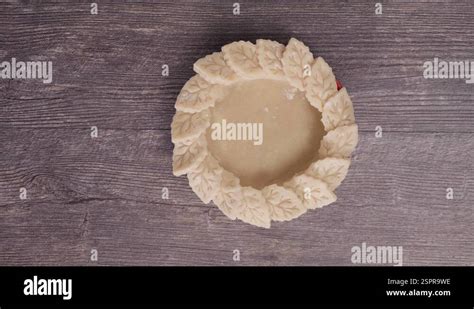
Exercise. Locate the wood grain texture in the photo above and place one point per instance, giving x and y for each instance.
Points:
(105, 193)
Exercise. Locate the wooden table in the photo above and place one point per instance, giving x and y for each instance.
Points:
(105, 193)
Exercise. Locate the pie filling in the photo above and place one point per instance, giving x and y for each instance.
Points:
(264, 131)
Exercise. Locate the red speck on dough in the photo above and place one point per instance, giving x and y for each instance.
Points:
(339, 85)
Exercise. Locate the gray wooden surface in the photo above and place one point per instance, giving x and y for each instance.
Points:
(105, 193)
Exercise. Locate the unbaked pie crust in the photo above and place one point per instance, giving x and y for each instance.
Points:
(303, 152)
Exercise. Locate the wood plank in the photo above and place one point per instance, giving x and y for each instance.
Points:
(107, 68)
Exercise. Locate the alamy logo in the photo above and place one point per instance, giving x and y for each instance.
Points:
(27, 70)
(449, 69)
(40, 287)
(377, 255)
(229, 131)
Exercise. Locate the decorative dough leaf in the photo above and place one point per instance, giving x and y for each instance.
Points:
(197, 94)
(283, 204)
(321, 84)
(188, 155)
(229, 195)
(269, 55)
(296, 59)
(313, 192)
(338, 111)
(215, 70)
(205, 179)
(330, 170)
(242, 58)
(254, 209)
(339, 143)
(187, 126)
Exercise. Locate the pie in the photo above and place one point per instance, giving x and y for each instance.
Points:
(263, 131)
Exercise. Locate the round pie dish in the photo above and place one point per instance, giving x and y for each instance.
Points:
(263, 131)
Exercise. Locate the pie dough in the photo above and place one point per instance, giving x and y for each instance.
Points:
(263, 131)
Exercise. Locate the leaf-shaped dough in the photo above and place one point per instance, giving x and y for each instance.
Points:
(283, 204)
(269, 55)
(339, 143)
(296, 61)
(215, 70)
(321, 84)
(330, 170)
(242, 58)
(314, 193)
(188, 155)
(254, 209)
(187, 126)
(229, 195)
(197, 94)
(205, 179)
(338, 111)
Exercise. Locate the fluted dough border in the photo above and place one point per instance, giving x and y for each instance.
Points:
(294, 63)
